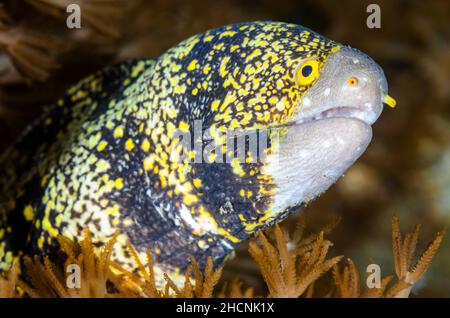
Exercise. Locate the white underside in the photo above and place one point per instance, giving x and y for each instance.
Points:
(313, 156)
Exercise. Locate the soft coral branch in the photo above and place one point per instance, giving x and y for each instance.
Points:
(289, 271)
(404, 248)
(289, 274)
(404, 251)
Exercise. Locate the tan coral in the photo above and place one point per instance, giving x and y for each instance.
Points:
(9, 282)
(289, 274)
(347, 280)
(404, 250)
(48, 279)
(289, 264)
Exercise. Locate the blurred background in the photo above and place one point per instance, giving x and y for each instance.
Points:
(406, 169)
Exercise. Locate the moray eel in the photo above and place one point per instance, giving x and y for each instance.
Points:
(143, 146)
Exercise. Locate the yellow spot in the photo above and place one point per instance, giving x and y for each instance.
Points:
(28, 212)
(211, 157)
(109, 124)
(242, 193)
(335, 49)
(189, 199)
(127, 222)
(234, 124)
(41, 242)
(162, 181)
(94, 140)
(218, 46)
(102, 145)
(145, 145)
(180, 89)
(118, 183)
(237, 169)
(228, 235)
(195, 91)
(234, 48)
(208, 38)
(148, 163)
(184, 126)
(192, 65)
(171, 112)
(206, 69)
(223, 66)
(44, 180)
(129, 145)
(114, 210)
(49, 227)
(197, 183)
(103, 165)
(227, 33)
(254, 54)
(215, 105)
(273, 100)
(118, 132)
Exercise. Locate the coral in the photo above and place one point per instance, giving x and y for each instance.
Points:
(100, 277)
(48, 278)
(233, 289)
(289, 273)
(290, 264)
(8, 284)
(101, 16)
(29, 51)
(35, 52)
(143, 282)
(404, 251)
(348, 283)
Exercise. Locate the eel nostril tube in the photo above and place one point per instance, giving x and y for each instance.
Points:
(388, 100)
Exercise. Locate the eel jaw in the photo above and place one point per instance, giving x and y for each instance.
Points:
(312, 156)
(334, 112)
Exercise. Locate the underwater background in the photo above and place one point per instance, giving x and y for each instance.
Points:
(406, 169)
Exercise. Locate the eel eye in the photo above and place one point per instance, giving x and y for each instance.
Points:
(307, 72)
(352, 81)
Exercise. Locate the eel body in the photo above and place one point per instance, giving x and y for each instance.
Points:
(141, 147)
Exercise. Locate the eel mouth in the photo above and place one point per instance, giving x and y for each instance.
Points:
(334, 112)
(367, 112)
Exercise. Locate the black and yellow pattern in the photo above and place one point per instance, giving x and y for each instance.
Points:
(103, 155)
